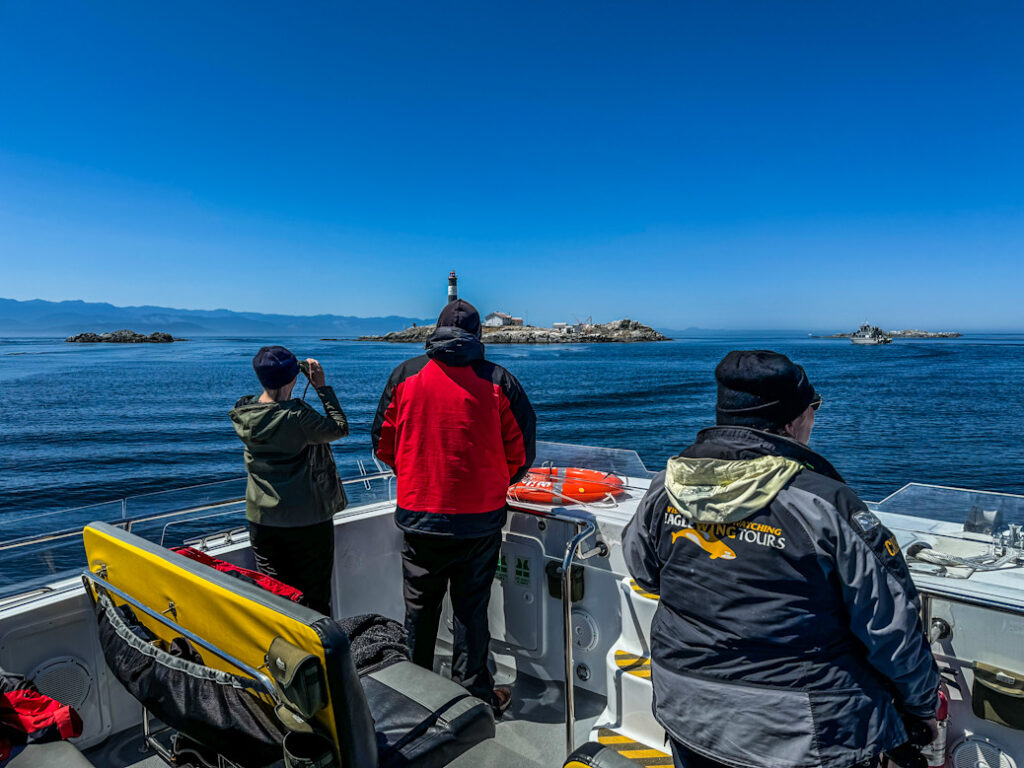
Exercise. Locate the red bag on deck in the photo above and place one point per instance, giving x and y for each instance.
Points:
(29, 717)
(253, 577)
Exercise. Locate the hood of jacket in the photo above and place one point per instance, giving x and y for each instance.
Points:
(720, 491)
(454, 346)
(732, 472)
(257, 422)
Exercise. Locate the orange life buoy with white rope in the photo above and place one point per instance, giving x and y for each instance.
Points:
(559, 485)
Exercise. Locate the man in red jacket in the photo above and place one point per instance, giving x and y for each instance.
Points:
(458, 431)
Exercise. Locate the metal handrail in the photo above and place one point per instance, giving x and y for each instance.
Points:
(584, 529)
(930, 593)
(127, 523)
(264, 683)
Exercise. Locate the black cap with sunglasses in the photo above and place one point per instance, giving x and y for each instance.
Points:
(762, 389)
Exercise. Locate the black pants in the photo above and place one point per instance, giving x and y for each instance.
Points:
(300, 557)
(430, 564)
(684, 757)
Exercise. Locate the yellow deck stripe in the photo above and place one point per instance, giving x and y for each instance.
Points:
(632, 750)
(642, 592)
(639, 666)
(631, 656)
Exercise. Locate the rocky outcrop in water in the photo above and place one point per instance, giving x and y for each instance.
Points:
(916, 334)
(619, 331)
(907, 334)
(122, 337)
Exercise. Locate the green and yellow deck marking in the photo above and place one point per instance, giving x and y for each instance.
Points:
(634, 751)
(638, 666)
(640, 591)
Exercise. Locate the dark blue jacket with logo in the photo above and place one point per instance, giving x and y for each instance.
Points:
(788, 632)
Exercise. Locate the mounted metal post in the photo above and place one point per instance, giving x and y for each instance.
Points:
(571, 552)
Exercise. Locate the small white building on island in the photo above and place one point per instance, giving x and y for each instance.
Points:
(499, 319)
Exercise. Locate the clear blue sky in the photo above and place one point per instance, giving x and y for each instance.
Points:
(714, 164)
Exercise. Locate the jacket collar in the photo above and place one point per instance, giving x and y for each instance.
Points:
(748, 443)
(454, 346)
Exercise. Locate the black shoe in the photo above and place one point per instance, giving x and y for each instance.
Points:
(500, 699)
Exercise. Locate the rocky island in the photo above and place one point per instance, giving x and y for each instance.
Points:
(619, 331)
(912, 333)
(123, 336)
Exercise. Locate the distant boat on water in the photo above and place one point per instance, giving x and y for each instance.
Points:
(870, 334)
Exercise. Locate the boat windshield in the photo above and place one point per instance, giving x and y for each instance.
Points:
(960, 544)
(614, 460)
(953, 505)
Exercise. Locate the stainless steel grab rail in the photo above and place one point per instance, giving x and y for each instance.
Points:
(584, 528)
(929, 593)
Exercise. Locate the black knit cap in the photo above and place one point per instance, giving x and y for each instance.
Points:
(275, 367)
(460, 314)
(761, 389)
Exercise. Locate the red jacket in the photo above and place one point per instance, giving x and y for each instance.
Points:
(29, 717)
(457, 430)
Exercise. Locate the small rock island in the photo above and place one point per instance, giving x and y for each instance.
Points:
(619, 331)
(123, 336)
(911, 333)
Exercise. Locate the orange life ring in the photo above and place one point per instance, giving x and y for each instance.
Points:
(557, 485)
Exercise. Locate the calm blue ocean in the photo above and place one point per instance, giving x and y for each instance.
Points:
(81, 424)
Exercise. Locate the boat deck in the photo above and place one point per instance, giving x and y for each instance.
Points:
(531, 733)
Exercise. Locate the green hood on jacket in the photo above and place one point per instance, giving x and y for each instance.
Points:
(723, 491)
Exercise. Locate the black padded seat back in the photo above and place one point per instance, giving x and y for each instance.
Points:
(423, 720)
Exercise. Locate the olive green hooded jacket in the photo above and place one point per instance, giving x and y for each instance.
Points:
(292, 477)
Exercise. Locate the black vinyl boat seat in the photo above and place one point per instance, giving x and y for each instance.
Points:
(594, 755)
(395, 716)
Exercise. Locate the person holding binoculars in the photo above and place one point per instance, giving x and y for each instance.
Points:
(293, 488)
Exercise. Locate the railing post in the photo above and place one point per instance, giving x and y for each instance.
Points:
(570, 683)
(570, 672)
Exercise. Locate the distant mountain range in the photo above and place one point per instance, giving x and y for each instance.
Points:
(64, 318)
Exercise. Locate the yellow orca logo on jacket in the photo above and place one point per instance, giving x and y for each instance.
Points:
(715, 548)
